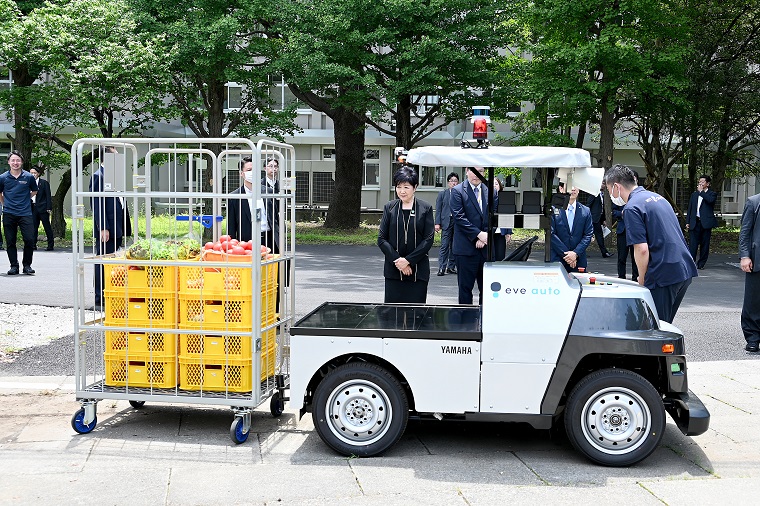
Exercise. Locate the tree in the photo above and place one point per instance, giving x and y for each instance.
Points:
(372, 63)
(99, 75)
(589, 59)
(21, 54)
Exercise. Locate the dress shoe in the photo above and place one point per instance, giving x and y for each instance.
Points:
(49, 248)
(13, 271)
(701, 268)
(451, 271)
(441, 273)
(755, 347)
(97, 307)
(35, 248)
(606, 255)
(28, 269)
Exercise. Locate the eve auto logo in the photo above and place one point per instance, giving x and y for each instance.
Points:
(512, 290)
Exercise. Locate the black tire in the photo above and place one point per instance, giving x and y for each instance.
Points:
(276, 406)
(360, 409)
(137, 404)
(236, 431)
(615, 417)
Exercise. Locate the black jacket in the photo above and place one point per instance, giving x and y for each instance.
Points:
(43, 202)
(418, 244)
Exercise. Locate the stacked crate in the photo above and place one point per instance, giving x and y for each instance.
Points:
(221, 299)
(141, 296)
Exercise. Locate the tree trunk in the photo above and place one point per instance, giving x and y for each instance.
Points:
(404, 123)
(345, 203)
(581, 135)
(607, 135)
(57, 220)
(23, 141)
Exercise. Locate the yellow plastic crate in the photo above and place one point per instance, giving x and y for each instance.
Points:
(150, 278)
(213, 282)
(138, 370)
(224, 313)
(222, 375)
(216, 347)
(157, 344)
(140, 309)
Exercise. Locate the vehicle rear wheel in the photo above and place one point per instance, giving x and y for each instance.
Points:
(615, 417)
(360, 409)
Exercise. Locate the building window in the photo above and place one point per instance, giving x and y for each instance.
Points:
(424, 103)
(328, 153)
(281, 96)
(371, 167)
(6, 80)
(233, 97)
(432, 176)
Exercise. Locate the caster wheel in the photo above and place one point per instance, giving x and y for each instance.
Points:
(236, 431)
(77, 423)
(137, 404)
(276, 406)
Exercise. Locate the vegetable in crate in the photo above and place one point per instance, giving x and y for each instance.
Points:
(154, 249)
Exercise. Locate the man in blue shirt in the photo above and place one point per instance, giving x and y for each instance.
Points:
(659, 247)
(17, 187)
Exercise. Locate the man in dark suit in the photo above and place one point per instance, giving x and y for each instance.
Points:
(111, 223)
(239, 212)
(444, 223)
(469, 205)
(623, 249)
(271, 184)
(749, 253)
(700, 220)
(571, 234)
(596, 205)
(42, 207)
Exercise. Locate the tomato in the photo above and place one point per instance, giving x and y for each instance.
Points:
(248, 246)
(224, 238)
(233, 242)
(217, 247)
(209, 245)
(248, 252)
(237, 250)
(225, 245)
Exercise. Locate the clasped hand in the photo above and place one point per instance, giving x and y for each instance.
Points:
(402, 264)
(571, 258)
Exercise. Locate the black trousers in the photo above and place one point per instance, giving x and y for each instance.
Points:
(469, 271)
(667, 299)
(12, 225)
(623, 250)
(43, 217)
(751, 307)
(699, 237)
(599, 235)
(103, 248)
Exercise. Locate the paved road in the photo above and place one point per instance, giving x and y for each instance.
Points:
(178, 454)
(709, 315)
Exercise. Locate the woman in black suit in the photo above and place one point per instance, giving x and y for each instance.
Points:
(501, 236)
(405, 238)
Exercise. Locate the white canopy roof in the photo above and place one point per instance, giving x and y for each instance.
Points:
(499, 156)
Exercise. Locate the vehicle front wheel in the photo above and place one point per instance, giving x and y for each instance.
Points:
(360, 409)
(615, 417)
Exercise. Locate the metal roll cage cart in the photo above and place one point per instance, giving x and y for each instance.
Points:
(189, 328)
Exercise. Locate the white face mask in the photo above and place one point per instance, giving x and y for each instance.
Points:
(618, 201)
(248, 176)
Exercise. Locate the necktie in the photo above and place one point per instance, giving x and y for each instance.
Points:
(477, 194)
(570, 217)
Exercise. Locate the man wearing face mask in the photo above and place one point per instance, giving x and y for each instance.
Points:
(239, 211)
(659, 247)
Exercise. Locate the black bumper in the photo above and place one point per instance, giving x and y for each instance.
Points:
(688, 412)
